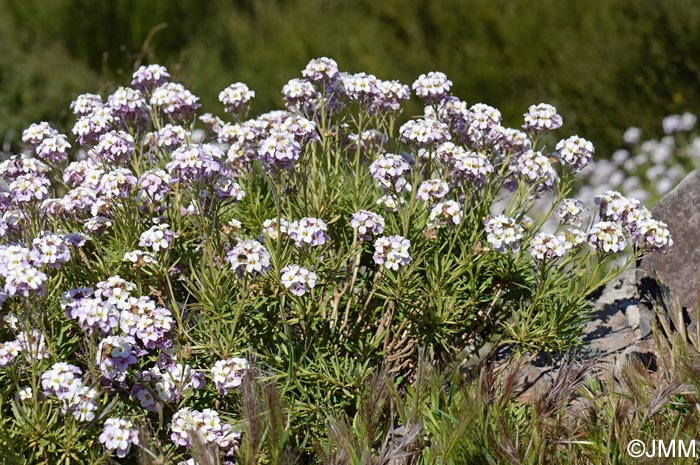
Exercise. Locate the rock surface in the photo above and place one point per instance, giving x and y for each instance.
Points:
(619, 329)
(679, 267)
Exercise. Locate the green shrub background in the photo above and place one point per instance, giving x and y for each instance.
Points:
(605, 64)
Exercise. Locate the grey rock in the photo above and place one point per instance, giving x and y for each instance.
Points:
(646, 315)
(679, 267)
(633, 316)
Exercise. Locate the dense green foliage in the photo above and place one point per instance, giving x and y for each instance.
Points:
(605, 64)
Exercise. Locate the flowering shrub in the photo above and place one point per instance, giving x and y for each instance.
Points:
(148, 265)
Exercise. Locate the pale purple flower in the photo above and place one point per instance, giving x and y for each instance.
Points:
(308, 232)
(150, 77)
(25, 394)
(542, 118)
(483, 121)
(139, 258)
(570, 211)
(576, 152)
(79, 201)
(279, 150)
(85, 104)
(170, 137)
(471, 166)
(118, 435)
(115, 291)
(432, 190)
(195, 162)
(89, 128)
(323, 70)
(169, 381)
(654, 235)
(92, 313)
(389, 96)
(269, 227)
(433, 87)
(143, 318)
(8, 353)
(21, 278)
(28, 187)
(615, 206)
(536, 169)
(75, 172)
(249, 257)
(17, 165)
(503, 233)
(547, 246)
(117, 184)
(214, 123)
(114, 147)
(228, 374)
(50, 250)
(235, 97)
(158, 237)
(388, 169)
(391, 202)
(445, 213)
(300, 95)
(187, 423)
(392, 251)
(33, 344)
(127, 104)
(37, 132)
(298, 279)
(153, 185)
(227, 188)
(59, 380)
(174, 101)
(424, 132)
(53, 149)
(515, 141)
(607, 236)
(360, 86)
(367, 223)
(114, 356)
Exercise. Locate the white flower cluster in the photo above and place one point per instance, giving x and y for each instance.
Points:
(235, 97)
(250, 257)
(503, 233)
(206, 424)
(432, 190)
(432, 87)
(118, 435)
(392, 251)
(607, 236)
(367, 223)
(298, 279)
(424, 132)
(548, 246)
(536, 168)
(542, 118)
(158, 237)
(447, 212)
(228, 374)
(472, 166)
(575, 151)
(64, 381)
(570, 211)
(308, 231)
